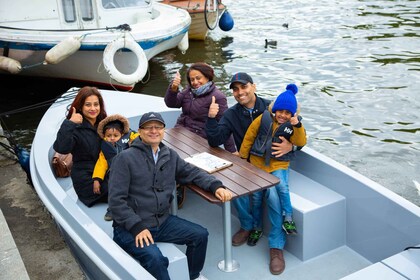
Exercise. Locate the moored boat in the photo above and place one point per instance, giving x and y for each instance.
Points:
(349, 226)
(205, 15)
(106, 42)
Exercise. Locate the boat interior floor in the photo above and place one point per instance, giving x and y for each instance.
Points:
(253, 261)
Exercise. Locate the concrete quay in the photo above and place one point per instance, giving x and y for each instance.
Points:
(11, 264)
(31, 246)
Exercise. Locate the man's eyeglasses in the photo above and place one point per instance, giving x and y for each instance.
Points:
(151, 127)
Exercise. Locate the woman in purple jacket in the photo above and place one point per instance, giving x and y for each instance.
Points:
(195, 100)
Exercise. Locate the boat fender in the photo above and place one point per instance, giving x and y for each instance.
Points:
(114, 73)
(226, 21)
(10, 65)
(62, 50)
(24, 158)
(184, 44)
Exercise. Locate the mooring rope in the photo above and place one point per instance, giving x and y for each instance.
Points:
(13, 147)
(69, 96)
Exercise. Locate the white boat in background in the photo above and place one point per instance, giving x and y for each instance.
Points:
(100, 42)
(349, 227)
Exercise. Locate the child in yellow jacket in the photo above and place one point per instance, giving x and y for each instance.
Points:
(117, 135)
(280, 120)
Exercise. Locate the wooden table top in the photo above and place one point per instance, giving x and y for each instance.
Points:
(242, 178)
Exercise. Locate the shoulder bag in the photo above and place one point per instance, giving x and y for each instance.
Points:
(62, 164)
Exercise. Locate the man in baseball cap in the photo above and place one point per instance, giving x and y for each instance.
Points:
(236, 121)
(151, 116)
(141, 182)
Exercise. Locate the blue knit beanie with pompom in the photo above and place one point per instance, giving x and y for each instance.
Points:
(287, 100)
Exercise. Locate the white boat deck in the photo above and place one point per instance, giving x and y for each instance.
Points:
(337, 263)
(349, 226)
(253, 261)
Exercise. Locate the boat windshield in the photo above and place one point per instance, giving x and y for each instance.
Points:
(112, 4)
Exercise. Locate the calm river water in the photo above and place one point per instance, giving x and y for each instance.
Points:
(356, 63)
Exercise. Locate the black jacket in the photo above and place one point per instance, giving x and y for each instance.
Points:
(236, 121)
(83, 142)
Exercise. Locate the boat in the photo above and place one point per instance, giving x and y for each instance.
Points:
(205, 15)
(349, 227)
(105, 43)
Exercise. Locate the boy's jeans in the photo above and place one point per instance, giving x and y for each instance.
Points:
(282, 189)
(276, 237)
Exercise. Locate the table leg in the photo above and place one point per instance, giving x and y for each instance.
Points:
(228, 264)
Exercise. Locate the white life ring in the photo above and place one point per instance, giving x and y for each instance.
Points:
(108, 60)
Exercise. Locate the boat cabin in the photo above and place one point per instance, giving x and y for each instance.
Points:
(75, 14)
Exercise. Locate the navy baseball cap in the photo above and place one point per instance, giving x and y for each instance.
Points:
(151, 116)
(242, 78)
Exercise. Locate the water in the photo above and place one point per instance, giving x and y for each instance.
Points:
(356, 63)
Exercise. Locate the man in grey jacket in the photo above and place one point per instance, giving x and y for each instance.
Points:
(141, 184)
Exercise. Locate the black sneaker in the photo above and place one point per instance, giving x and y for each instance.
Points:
(108, 215)
(254, 236)
(289, 227)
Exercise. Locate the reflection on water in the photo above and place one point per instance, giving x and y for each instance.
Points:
(357, 65)
(164, 66)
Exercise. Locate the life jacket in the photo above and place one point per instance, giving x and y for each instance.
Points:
(110, 151)
(265, 138)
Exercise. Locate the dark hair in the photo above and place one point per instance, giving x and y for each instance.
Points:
(80, 99)
(204, 69)
(117, 125)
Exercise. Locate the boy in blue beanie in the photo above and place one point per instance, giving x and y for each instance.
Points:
(280, 119)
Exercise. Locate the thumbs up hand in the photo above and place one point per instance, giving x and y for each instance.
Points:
(76, 117)
(176, 82)
(214, 108)
(294, 120)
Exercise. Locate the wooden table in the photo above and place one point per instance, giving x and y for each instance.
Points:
(242, 178)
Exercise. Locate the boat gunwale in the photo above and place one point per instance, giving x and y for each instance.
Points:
(89, 46)
(94, 39)
(66, 212)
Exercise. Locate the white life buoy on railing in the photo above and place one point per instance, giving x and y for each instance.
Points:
(108, 60)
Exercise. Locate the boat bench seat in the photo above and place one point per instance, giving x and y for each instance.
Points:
(178, 265)
(403, 265)
(320, 217)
